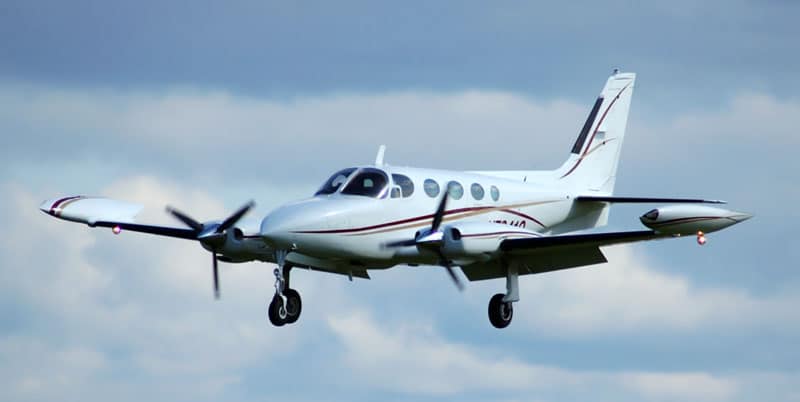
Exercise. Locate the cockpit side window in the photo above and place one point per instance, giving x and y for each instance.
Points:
(405, 183)
(367, 182)
(336, 181)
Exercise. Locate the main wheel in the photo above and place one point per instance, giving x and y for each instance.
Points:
(294, 305)
(277, 312)
(500, 312)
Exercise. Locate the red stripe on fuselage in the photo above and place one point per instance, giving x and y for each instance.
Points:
(415, 219)
(694, 219)
(520, 214)
(500, 233)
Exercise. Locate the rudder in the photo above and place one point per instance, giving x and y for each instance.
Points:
(592, 165)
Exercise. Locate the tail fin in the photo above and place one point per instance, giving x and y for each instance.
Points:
(592, 165)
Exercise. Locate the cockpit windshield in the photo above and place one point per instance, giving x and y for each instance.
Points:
(368, 182)
(336, 181)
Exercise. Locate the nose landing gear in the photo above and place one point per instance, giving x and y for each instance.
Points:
(285, 309)
(286, 305)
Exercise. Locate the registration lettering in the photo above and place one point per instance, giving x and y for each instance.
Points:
(517, 223)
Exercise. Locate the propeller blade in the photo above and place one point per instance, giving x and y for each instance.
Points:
(439, 215)
(231, 220)
(197, 226)
(446, 264)
(216, 275)
(400, 243)
(453, 276)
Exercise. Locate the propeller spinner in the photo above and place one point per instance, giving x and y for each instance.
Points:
(433, 239)
(212, 235)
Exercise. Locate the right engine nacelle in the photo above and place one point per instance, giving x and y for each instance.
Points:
(479, 241)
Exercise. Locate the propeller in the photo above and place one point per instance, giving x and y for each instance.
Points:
(212, 235)
(433, 239)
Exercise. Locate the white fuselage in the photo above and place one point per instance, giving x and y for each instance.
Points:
(352, 229)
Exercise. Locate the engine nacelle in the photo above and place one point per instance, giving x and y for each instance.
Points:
(691, 219)
(477, 241)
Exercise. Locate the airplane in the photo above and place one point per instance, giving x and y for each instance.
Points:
(490, 224)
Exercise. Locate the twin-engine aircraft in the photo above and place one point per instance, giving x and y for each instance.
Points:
(490, 224)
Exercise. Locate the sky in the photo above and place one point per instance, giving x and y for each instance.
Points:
(204, 105)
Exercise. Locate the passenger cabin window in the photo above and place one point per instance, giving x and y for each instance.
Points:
(455, 190)
(332, 185)
(477, 191)
(431, 187)
(405, 184)
(367, 182)
(495, 193)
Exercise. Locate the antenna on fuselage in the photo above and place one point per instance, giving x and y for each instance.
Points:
(379, 157)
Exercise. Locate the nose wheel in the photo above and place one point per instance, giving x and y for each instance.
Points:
(285, 309)
(286, 304)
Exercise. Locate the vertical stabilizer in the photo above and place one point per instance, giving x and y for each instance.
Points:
(592, 165)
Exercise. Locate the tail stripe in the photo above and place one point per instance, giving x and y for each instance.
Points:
(597, 127)
(576, 149)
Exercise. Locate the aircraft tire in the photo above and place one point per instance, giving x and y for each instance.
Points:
(500, 312)
(294, 305)
(274, 312)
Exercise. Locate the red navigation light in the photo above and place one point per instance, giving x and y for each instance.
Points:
(701, 237)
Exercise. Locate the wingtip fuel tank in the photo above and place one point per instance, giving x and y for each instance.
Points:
(691, 219)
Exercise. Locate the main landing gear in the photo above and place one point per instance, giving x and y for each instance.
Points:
(500, 312)
(501, 308)
(286, 305)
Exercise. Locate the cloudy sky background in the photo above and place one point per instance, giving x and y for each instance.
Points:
(204, 106)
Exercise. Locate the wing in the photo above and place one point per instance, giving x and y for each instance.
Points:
(544, 254)
(105, 212)
(120, 216)
(178, 233)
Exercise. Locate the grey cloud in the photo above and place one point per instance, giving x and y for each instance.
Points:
(280, 49)
(217, 135)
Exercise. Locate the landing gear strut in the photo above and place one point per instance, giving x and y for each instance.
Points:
(501, 308)
(286, 305)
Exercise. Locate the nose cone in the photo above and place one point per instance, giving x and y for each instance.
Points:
(276, 229)
(283, 225)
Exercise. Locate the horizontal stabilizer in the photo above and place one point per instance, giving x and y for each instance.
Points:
(647, 200)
